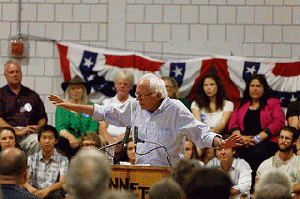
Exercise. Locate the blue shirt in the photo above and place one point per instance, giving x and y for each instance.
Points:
(10, 191)
(167, 126)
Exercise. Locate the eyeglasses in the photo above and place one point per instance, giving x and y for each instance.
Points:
(142, 96)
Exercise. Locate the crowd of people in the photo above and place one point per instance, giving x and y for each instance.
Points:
(215, 150)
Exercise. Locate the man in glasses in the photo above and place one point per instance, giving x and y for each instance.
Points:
(162, 123)
(284, 160)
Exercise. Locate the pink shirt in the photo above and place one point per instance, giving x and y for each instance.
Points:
(271, 117)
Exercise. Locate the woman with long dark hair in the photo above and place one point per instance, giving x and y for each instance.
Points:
(258, 119)
(210, 105)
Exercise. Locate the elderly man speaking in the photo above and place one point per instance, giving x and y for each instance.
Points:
(161, 121)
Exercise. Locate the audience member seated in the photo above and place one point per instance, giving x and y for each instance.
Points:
(258, 118)
(127, 155)
(237, 169)
(207, 154)
(90, 140)
(181, 170)
(13, 174)
(88, 175)
(119, 194)
(191, 152)
(293, 114)
(7, 138)
(207, 183)
(124, 82)
(21, 108)
(71, 125)
(274, 185)
(284, 160)
(166, 188)
(210, 105)
(47, 169)
(293, 119)
(173, 91)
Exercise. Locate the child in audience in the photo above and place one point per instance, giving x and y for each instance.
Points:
(190, 152)
(127, 155)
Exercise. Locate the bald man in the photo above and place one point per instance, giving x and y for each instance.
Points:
(13, 174)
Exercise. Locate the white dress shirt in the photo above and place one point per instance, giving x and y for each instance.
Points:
(168, 126)
(239, 173)
(113, 130)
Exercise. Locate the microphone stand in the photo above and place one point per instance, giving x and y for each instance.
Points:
(110, 145)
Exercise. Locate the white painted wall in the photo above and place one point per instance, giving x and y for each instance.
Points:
(163, 29)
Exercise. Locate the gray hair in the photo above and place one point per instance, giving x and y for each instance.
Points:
(119, 194)
(273, 185)
(157, 85)
(273, 191)
(175, 85)
(11, 61)
(124, 74)
(165, 188)
(88, 174)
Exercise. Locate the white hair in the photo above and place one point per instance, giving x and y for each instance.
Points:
(88, 174)
(157, 85)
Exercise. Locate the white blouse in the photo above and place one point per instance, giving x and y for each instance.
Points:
(213, 119)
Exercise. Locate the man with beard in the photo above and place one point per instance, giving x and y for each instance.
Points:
(284, 160)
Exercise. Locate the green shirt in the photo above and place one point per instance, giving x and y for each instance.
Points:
(75, 123)
(186, 102)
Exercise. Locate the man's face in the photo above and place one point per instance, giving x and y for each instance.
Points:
(148, 100)
(225, 154)
(285, 141)
(47, 141)
(13, 74)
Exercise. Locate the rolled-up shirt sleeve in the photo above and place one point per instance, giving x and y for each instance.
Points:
(244, 180)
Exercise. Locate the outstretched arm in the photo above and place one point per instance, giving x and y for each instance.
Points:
(79, 108)
(232, 141)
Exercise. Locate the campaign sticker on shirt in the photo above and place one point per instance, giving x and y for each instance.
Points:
(27, 107)
(203, 117)
(85, 115)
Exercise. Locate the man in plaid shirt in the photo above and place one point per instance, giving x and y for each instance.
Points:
(47, 169)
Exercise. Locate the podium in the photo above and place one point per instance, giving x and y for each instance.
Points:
(137, 178)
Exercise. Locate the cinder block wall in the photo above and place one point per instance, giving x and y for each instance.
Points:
(163, 29)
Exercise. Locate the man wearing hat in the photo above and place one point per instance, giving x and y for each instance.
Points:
(21, 108)
(69, 124)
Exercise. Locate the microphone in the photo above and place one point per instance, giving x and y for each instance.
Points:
(136, 137)
(126, 136)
